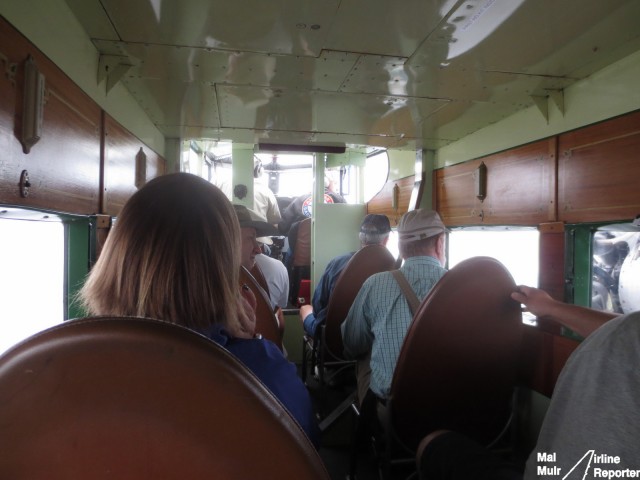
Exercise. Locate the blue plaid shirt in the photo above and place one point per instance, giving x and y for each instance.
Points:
(380, 317)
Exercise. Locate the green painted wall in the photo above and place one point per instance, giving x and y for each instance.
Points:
(336, 229)
(401, 163)
(293, 334)
(608, 93)
(242, 155)
(78, 246)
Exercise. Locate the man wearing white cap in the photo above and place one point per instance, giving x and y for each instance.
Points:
(380, 315)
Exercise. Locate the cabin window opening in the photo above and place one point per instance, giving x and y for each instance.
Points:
(290, 175)
(517, 248)
(376, 173)
(615, 268)
(222, 175)
(209, 159)
(392, 243)
(32, 278)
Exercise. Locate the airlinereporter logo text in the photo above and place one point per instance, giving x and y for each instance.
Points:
(598, 465)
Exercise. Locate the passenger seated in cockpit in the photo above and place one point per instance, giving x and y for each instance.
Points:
(174, 255)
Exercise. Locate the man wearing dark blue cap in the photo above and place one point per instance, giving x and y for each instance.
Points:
(374, 230)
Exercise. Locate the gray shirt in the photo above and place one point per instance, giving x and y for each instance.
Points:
(593, 421)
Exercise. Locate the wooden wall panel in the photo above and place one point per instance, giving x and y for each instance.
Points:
(542, 357)
(120, 151)
(520, 188)
(64, 166)
(381, 203)
(598, 171)
(551, 259)
(455, 201)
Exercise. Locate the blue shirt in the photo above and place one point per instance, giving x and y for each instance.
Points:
(380, 317)
(323, 291)
(279, 375)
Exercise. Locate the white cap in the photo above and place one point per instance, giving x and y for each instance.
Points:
(265, 240)
(419, 224)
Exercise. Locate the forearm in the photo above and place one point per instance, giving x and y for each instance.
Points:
(581, 320)
(310, 324)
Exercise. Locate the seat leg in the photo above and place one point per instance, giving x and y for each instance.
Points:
(338, 411)
(303, 374)
(321, 380)
(356, 434)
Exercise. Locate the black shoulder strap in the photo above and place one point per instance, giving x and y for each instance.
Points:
(409, 294)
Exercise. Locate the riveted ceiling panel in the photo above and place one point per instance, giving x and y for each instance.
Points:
(277, 26)
(317, 111)
(540, 38)
(327, 72)
(390, 28)
(176, 102)
(406, 73)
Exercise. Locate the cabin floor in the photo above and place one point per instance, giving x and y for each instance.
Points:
(338, 436)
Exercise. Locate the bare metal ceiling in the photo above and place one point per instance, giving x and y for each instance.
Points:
(396, 74)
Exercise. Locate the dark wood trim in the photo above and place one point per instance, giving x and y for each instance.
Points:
(382, 204)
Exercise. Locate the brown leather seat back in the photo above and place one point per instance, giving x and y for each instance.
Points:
(364, 263)
(132, 398)
(457, 367)
(302, 248)
(256, 272)
(267, 323)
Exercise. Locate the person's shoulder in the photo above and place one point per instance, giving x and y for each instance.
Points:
(338, 262)
(342, 258)
(276, 264)
(619, 327)
(264, 261)
(336, 197)
(263, 189)
(620, 335)
(267, 259)
(254, 349)
(379, 280)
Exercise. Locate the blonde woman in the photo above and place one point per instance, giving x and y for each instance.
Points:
(174, 255)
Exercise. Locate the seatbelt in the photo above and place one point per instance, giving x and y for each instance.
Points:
(409, 294)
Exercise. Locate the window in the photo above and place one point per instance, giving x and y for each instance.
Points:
(290, 175)
(615, 269)
(32, 278)
(376, 174)
(392, 243)
(515, 247)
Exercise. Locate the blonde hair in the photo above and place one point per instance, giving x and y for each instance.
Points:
(172, 255)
